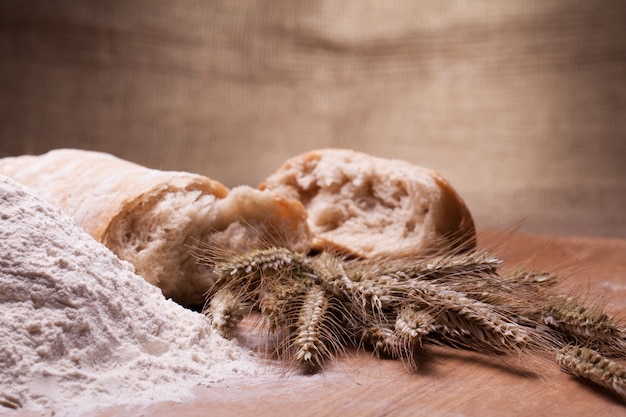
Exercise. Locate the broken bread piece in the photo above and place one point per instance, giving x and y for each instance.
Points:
(152, 218)
(249, 218)
(367, 206)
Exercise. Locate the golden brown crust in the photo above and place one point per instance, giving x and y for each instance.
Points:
(455, 221)
(96, 188)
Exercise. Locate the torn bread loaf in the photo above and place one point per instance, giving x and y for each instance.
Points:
(151, 218)
(367, 206)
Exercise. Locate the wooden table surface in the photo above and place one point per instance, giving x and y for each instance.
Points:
(450, 383)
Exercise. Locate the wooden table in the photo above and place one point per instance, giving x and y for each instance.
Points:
(450, 383)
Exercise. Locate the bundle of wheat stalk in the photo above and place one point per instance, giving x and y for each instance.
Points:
(315, 307)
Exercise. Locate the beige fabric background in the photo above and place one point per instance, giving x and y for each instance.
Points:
(521, 104)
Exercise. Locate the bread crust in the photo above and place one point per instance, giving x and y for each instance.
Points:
(368, 206)
(97, 188)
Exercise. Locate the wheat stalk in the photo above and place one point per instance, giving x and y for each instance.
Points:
(316, 305)
(580, 321)
(590, 365)
(308, 342)
(226, 310)
(488, 329)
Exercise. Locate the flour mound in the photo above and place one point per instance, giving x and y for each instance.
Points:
(78, 326)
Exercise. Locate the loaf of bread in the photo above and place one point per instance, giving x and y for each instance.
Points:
(367, 206)
(329, 199)
(152, 218)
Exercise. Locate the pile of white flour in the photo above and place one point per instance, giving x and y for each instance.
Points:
(78, 328)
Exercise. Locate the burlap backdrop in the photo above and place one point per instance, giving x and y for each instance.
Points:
(520, 103)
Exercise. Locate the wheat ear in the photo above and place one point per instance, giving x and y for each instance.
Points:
(308, 338)
(257, 261)
(450, 266)
(476, 275)
(588, 364)
(488, 329)
(590, 324)
(382, 338)
(225, 311)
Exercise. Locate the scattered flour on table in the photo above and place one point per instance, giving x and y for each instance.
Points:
(78, 326)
